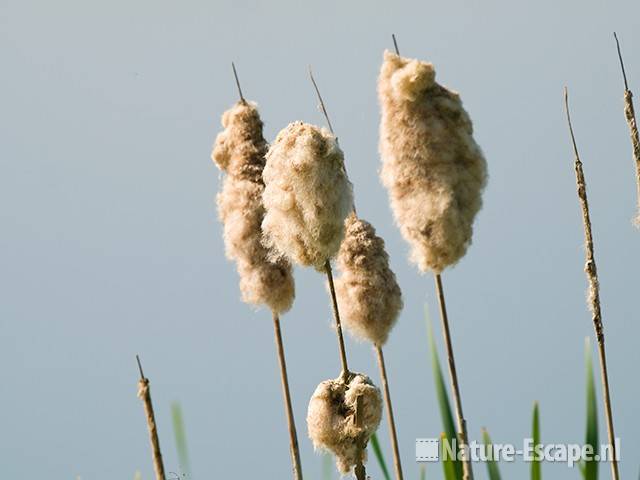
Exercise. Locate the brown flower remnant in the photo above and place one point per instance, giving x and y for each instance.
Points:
(332, 422)
(240, 152)
(369, 296)
(432, 167)
(307, 195)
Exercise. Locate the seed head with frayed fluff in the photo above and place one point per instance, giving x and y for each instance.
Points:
(369, 296)
(432, 167)
(332, 423)
(307, 195)
(239, 151)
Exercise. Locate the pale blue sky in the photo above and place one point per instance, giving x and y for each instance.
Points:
(110, 245)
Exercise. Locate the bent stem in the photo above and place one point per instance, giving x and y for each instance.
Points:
(630, 115)
(390, 419)
(467, 472)
(336, 317)
(594, 291)
(144, 393)
(293, 437)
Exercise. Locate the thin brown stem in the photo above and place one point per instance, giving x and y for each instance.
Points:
(145, 394)
(235, 75)
(336, 316)
(594, 290)
(322, 107)
(359, 470)
(293, 437)
(467, 472)
(624, 73)
(630, 115)
(392, 424)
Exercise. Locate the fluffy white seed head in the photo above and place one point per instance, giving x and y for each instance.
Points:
(432, 167)
(307, 195)
(369, 296)
(239, 151)
(331, 419)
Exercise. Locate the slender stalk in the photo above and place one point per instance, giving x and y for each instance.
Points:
(359, 470)
(235, 75)
(293, 437)
(145, 394)
(390, 420)
(467, 472)
(336, 317)
(395, 43)
(594, 291)
(630, 115)
(383, 371)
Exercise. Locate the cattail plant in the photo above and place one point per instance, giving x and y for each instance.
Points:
(370, 300)
(369, 296)
(630, 115)
(342, 417)
(593, 299)
(144, 393)
(307, 198)
(435, 173)
(239, 151)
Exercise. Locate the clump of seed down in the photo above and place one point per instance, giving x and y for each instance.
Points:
(369, 296)
(240, 152)
(432, 167)
(307, 195)
(332, 422)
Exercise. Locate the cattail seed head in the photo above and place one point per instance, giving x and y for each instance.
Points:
(368, 293)
(432, 167)
(307, 195)
(239, 150)
(331, 418)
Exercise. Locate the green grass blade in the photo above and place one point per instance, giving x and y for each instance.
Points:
(446, 414)
(423, 472)
(375, 444)
(536, 473)
(590, 468)
(492, 465)
(180, 438)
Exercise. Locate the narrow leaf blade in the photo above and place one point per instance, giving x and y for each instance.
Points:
(375, 445)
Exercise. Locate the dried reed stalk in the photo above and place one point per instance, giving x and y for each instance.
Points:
(434, 205)
(630, 115)
(240, 151)
(336, 316)
(594, 290)
(144, 393)
(293, 437)
(467, 471)
(390, 419)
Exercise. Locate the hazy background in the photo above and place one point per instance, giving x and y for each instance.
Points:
(110, 245)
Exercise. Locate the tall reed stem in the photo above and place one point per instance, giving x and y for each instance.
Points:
(145, 394)
(630, 115)
(467, 472)
(293, 437)
(336, 317)
(594, 291)
(390, 419)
